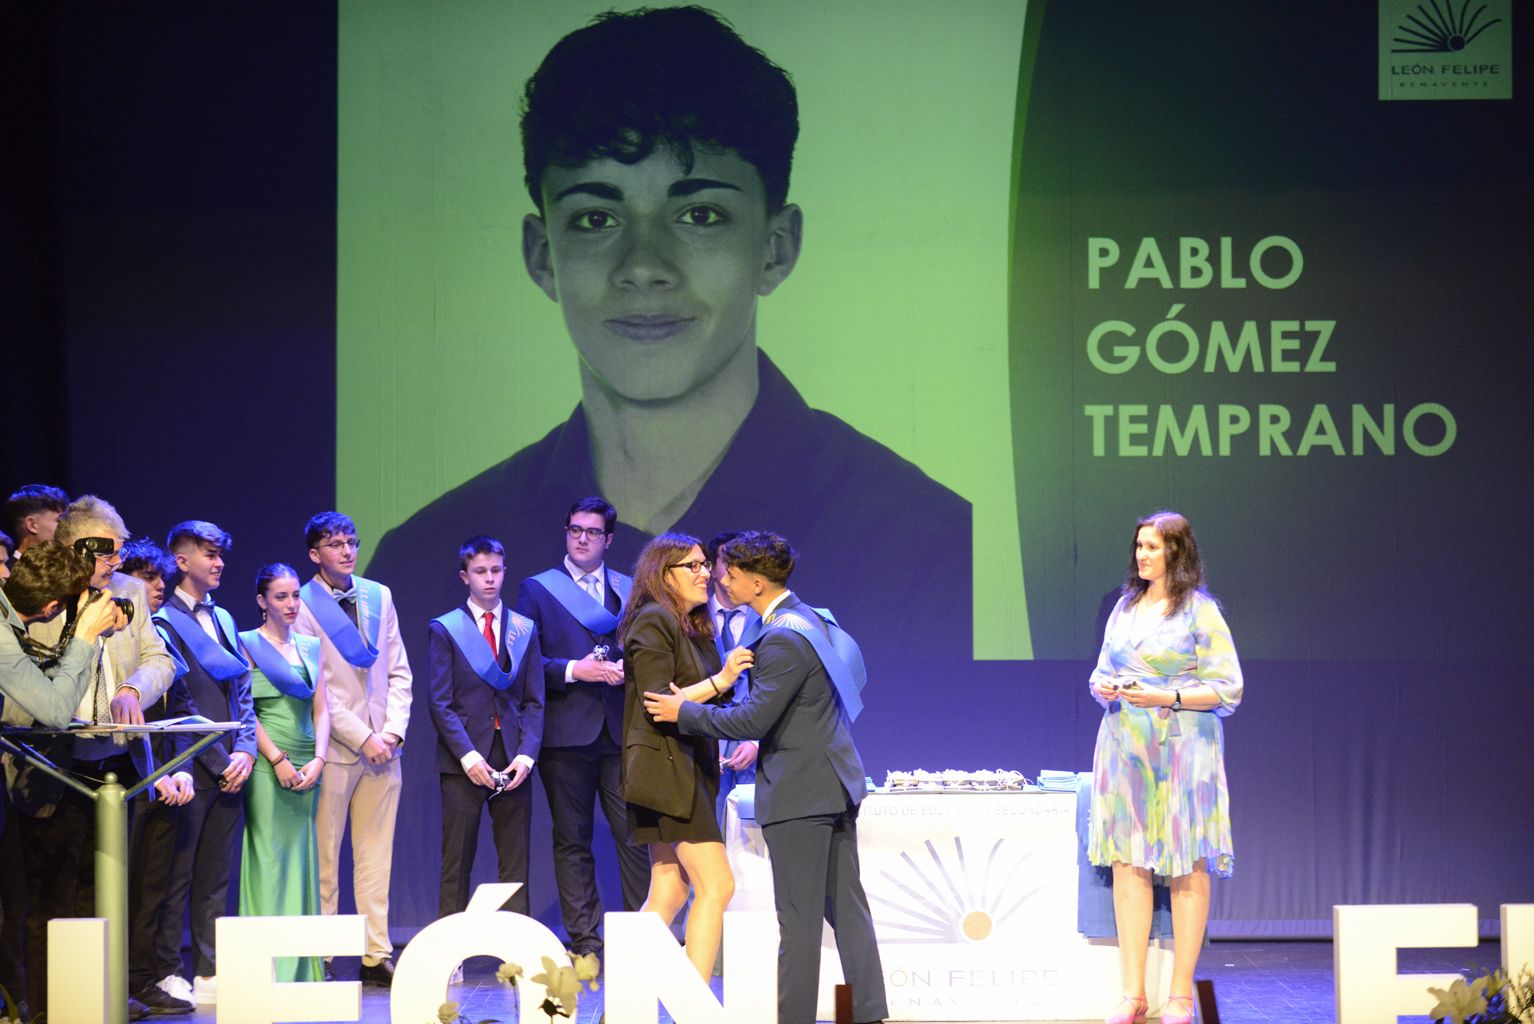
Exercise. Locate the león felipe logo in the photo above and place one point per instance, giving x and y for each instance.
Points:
(1435, 28)
(1446, 49)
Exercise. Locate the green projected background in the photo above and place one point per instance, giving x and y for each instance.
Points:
(895, 319)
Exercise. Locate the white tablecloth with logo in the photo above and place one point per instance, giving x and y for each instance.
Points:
(974, 903)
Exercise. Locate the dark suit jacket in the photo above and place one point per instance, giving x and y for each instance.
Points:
(806, 763)
(464, 707)
(573, 714)
(215, 701)
(660, 766)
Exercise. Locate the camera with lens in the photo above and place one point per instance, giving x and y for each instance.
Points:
(104, 546)
(124, 604)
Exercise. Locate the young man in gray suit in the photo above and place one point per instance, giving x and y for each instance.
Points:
(805, 687)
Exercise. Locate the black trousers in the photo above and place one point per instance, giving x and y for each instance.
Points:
(59, 861)
(574, 778)
(13, 904)
(511, 819)
(60, 856)
(154, 930)
(206, 831)
(815, 876)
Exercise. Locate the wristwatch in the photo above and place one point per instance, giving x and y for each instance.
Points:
(1176, 700)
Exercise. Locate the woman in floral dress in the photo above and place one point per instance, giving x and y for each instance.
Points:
(1167, 674)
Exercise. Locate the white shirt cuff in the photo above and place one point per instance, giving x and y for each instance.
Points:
(470, 759)
(524, 760)
(570, 671)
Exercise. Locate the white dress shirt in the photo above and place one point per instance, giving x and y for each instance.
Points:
(477, 613)
(600, 572)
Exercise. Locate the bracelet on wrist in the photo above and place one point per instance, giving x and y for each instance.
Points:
(715, 685)
(282, 755)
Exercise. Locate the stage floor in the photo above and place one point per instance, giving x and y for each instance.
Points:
(1255, 982)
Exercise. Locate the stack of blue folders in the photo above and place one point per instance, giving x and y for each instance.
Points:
(1057, 782)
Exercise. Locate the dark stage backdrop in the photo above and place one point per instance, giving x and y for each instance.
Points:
(1079, 262)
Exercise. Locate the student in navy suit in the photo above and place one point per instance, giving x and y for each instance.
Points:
(575, 607)
(217, 685)
(486, 673)
(809, 779)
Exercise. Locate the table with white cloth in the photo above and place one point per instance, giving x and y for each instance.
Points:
(974, 900)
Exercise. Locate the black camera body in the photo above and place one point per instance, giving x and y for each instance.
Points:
(124, 604)
(103, 546)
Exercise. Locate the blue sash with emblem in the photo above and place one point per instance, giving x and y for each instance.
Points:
(471, 642)
(216, 659)
(586, 610)
(358, 650)
(838, 652)
(277, 669)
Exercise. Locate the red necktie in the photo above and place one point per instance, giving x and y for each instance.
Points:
(490, 639)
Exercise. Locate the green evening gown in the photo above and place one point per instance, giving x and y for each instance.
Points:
(280, 873)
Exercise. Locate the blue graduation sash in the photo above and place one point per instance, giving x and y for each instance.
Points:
(838, 652)
(358, 650)
(460, 626)
(175, 655)
(277, 669)
(214, 657)
(582, 606)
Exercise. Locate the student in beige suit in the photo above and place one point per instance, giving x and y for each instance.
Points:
(367, 678)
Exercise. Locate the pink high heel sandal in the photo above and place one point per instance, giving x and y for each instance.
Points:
(1134, 1015)
(1183, 1015)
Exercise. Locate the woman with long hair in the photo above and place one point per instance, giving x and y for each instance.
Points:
(279, 867)
(669, 780)
(1166, 675)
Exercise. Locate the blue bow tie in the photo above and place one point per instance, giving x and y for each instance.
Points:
(344, 595)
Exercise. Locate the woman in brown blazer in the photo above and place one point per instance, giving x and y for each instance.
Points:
(670, 781)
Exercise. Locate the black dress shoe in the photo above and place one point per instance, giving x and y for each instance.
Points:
(160, 1003)
(137, 1010)
(380, 974)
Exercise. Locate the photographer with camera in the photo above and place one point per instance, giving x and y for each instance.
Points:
(39, 588)
(129, 668)
(45, 685)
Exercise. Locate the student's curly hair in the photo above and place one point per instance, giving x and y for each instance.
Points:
(47, 572)
(674, 78)
(762, 552)
(144, 555)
